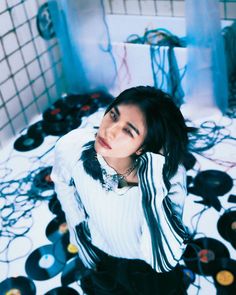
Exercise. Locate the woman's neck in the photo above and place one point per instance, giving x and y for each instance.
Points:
(120, 165)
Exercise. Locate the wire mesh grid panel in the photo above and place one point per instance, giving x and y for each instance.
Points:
(31, 74)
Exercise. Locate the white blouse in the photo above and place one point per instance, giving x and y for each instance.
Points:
(115, 218)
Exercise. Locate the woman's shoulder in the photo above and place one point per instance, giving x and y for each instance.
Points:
(71, 145)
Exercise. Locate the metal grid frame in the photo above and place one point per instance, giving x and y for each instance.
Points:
(30, 68)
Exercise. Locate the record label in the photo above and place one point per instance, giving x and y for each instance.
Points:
(202, 255)
(233, 226)
(14, 292)
(46, 261)
(225, 278)
(55, 111)
(42, 179)
(72, 249)
(205, 255)
(43, 264)
(56, 228)
(63, 228)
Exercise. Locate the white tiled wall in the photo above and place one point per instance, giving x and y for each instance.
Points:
(29, 67)
(162, 7)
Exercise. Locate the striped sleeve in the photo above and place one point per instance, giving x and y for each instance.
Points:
(64, 187)
(163, 232)
(67, 153)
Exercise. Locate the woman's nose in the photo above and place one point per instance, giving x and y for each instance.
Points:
(112, 131)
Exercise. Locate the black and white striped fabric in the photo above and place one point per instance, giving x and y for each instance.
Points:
(143, 223)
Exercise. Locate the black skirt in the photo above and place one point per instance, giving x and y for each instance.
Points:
(119, 276)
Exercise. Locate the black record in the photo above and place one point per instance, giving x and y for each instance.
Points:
(59, 128)
(18, 285)
(188, 276)
(212, 183)
(44, 22)
(226, 226)
(55, 114)
(63, 245)
(201, 254)
(225, 276)
(101, 98)
(42, 179)
(62, 291)
(55, 206)
(189, 161)
(42, 263)
(73, 271)
(56, 229)
(37, 129)
(72, 101)
(88, 109)
(26, 143)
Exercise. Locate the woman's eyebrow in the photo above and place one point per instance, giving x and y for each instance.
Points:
(133, 127)
(116, 110)
(129, 124)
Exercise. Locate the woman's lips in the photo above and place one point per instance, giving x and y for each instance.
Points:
(103, 143)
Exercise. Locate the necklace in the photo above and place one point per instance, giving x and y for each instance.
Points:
(92, 166)
(111, 181)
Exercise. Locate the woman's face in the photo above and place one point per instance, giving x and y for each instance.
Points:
(121, 132)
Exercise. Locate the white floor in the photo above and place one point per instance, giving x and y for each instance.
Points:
(19, 164)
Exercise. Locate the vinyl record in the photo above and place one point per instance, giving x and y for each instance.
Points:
(74, 118)
(189, 161)
(42, 264)
(225, 276)
(72, 101)
(17, 286)
(55, 206)
(63, 245)
(26, 143)
(226, 226)
(102, 99)
(200, 255)
(62, 291)
(42, 179)
(44, 22)
(55, 114)
(212, 183)
(56, 229)
(37, 129)
(73, 271)
(62, 127)
(88, 109)
(188, 276)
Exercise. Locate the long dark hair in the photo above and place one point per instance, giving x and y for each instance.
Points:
(166, 129)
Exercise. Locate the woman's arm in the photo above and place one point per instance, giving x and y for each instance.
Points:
(163, 232)
(66, 192)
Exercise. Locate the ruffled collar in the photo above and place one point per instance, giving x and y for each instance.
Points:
(95, 165)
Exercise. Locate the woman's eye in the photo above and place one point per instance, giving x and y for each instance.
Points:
(113, 115)
(129, 132)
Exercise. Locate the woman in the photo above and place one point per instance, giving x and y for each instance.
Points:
(122, 188)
